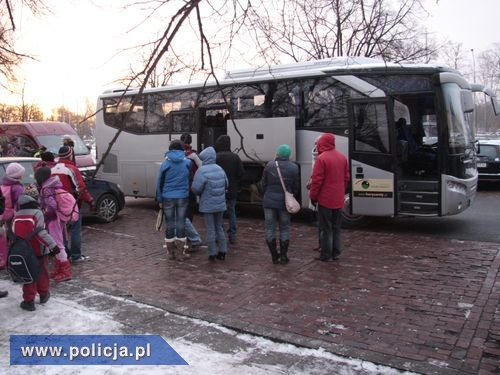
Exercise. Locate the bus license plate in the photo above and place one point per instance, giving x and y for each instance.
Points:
(481, 165)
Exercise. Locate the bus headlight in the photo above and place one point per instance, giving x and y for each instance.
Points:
(456, 187)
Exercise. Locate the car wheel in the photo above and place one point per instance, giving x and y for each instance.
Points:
(107, 208)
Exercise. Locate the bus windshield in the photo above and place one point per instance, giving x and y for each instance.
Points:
(459, 123)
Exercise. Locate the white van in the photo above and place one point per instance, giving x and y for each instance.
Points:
(26, 138)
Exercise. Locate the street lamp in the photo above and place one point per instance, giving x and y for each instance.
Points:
(473, 65)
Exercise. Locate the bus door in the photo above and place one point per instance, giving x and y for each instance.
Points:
(372, 159)
(212, 124)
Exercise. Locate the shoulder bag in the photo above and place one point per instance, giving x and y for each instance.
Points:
(292, 206)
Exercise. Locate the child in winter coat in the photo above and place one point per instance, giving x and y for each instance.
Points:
(12, 188)
(47, 185)
(41, 242)
(210, 183)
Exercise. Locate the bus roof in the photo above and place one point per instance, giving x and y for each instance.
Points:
(341, 65)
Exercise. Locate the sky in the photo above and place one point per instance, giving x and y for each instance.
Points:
(61, 315)
(78, 46)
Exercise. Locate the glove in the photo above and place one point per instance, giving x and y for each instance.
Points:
(55, 250)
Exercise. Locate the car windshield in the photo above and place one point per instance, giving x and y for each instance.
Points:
(489, 151)
(29, 175)
(55, 141)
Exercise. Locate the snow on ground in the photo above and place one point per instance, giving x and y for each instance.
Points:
(61, 315)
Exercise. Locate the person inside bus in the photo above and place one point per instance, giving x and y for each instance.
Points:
(419, 159)
(404, 134)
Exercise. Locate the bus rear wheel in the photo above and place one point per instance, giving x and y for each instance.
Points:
(350, 221)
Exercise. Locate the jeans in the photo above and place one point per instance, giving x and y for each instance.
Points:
(191, 233)
(175, 210)
(273, 216)
(75, 237)
(214, 223)
(330, 221)
(231, 213)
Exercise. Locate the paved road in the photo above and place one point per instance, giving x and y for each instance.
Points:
(478, 223)
(422, 300)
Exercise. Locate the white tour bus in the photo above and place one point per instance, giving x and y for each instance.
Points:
(362, 101)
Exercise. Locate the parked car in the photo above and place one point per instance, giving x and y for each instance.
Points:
(488, 162)
(108, 196)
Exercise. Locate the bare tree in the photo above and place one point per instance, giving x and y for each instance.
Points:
(162, 73)
(316, 29)
(489, 67)
(453, 55)
(9, 57)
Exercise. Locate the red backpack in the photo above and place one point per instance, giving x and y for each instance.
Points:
(22, 226)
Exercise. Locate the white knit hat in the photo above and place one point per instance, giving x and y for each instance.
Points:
(15, 171)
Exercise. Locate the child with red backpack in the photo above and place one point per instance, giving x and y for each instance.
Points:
(12, 188)
(27, 218)
(50, 186)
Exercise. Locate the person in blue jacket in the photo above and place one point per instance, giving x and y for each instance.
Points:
(172, 193)
(210, 183)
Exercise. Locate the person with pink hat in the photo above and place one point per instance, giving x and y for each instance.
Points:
(12, 188)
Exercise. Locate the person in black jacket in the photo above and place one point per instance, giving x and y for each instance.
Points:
(233, 166)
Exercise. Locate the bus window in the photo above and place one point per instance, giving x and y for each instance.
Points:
(326, 103)
(371, 130)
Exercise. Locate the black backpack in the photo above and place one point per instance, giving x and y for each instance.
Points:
(23, 265)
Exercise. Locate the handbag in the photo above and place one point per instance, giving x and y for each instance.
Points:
(291, 204)
(159, 219)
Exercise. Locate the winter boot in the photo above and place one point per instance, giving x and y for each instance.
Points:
(170, 246)
(64, 273)
(182, 247)
(44, 298)
(272, 248)
(28, 305)
(56, 270)
(283, 251)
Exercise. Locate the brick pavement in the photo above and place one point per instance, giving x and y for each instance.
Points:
(416, 303)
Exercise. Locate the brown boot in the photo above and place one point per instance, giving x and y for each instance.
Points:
(169, 245)
(182, 248)
(64, 273)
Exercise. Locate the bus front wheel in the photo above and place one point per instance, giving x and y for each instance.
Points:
(350, 221)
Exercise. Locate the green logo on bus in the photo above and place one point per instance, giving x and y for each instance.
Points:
(365, 185)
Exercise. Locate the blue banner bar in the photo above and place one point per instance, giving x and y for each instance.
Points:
(92, 350)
